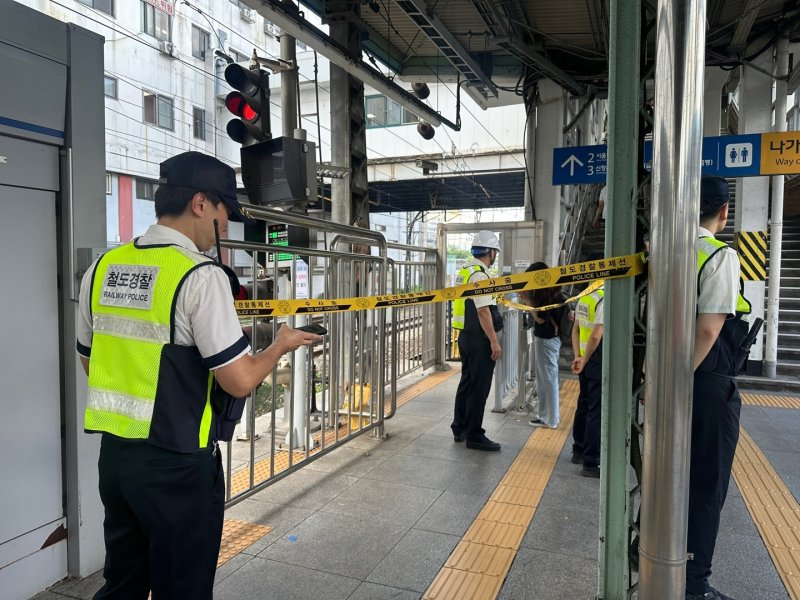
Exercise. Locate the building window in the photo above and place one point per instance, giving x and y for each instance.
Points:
(199, 123)
(106, 6)
(109, 188)
(110, 86)
(146, 189)
(238, 56)
(159, 110)
(201, 41)
(155, 22)
(382, 112)
(380, 227)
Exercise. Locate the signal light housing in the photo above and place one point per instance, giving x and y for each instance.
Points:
(249, 102)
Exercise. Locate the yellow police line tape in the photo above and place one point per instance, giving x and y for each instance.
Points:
(606, 268)
(596, 285)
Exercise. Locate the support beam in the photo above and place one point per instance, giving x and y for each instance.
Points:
(496, 20)
(744, 25)
(776, 219)
(290, 22)
(617, 404)
(672, 297)
(478, 82)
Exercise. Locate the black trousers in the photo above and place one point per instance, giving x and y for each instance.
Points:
(163, 521)
(588, 413)
(477, 370)
(715, 433)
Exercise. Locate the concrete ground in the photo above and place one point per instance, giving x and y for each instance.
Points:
(377, 519)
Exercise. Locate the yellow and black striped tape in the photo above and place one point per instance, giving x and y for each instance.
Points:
(595, 285)
(606, 268)
(752, 249)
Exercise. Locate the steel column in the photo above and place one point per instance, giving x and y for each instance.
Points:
(617, 405)
(289, 85)
(776, 218)
(678, 132)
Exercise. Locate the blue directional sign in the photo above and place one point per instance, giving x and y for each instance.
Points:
(724, 156)
(579, 164)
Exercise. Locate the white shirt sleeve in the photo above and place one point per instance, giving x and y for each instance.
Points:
(84, 332)
(598, 312)
(481, 301)
(719, 284)
(205, 317)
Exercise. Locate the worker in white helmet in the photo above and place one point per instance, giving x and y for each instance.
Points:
(479, 320)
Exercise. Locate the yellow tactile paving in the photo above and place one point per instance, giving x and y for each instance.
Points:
(771, 401)
(774, 509)
(480, 562)
(477, 558)
(238, 535)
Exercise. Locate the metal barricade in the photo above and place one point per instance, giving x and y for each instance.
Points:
(509, 368)
(331, 392)
(411, 348)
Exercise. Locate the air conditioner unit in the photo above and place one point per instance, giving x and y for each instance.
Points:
(247, 14)
(167, 48)
(271, 29)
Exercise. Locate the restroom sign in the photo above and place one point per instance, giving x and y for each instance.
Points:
(780, 153)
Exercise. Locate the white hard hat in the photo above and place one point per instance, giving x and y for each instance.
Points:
(486, 239)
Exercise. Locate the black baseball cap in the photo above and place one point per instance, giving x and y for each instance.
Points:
(714, 192)
(202, 173)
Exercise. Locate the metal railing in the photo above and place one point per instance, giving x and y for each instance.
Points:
(584, 197)
(330, 393)
(509, 369)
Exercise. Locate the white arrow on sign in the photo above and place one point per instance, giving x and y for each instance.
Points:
(571, 162)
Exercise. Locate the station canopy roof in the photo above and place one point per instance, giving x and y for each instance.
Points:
(497, 47)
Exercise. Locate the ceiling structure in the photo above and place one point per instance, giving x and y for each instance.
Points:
(494, 48)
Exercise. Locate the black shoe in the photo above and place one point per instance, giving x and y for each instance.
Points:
(711, 594)
(593, 472)
(483, 443)
(577, 459)
(459, 437)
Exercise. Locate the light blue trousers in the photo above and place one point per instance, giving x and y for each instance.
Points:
(547, 378)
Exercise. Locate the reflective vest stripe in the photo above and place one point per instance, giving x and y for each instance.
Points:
(134, 329)
(139, 409)
(460, 304)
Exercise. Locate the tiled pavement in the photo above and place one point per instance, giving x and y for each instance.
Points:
(378, 518)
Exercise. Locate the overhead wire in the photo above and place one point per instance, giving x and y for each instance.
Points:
(115, 27)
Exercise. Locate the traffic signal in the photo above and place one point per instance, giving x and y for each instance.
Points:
(250, 102)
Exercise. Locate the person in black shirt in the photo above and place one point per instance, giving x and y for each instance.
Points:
(547, 346)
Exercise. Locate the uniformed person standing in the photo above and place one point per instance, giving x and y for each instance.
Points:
(587, 346)
(158, 337)
(716, 404)
(478, 321)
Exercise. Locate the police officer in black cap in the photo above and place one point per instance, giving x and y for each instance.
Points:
(159, 338)
(716, 404)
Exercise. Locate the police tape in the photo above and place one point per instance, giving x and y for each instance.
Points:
(595, 285)
(606, 268)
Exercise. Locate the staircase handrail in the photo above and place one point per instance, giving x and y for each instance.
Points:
(575, 222)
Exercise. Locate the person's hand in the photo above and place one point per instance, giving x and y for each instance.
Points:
(496, 350)
(289, 340)
(577, 365)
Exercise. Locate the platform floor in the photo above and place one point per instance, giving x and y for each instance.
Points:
(380, 519)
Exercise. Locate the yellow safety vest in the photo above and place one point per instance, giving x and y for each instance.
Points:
(585, 312)
(460, 304)
(141, 384)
